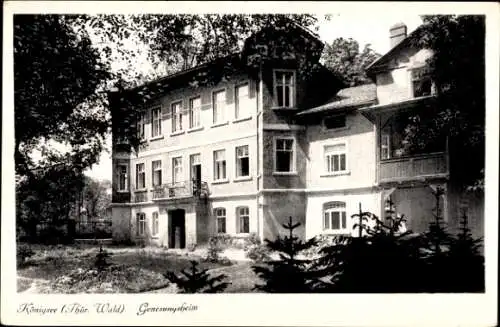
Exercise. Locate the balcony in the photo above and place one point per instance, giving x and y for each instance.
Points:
(419, 167)
(181, 190)
(141, 196)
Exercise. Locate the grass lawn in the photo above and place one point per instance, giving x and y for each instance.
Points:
(70, 269)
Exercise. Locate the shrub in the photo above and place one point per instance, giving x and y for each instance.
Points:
(197, 281)
(101, 261)
(255, 250)
(215, 248)
(23, 252)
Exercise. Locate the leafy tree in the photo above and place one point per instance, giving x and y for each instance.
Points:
(288, 274)
(344, 58)
(57, 76)
(197, 281)
(95, 197)
(458, 71)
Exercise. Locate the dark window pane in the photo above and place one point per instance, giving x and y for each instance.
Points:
(326, 221)
(344, 220)
(287, 96)
(279, 95)
(336, 162)
(342, 162)
(335, 220)
(283, 160)
(335, 122)
(245, 167)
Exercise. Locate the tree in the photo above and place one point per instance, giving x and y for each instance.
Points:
(458, 71)
(95, 197)
(343, 57)
(57, 75)
(197, 281)
(288, 274)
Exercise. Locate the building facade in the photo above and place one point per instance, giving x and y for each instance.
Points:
(274, 136)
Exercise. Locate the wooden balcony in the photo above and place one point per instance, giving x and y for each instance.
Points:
(181, 190)
(414, 168)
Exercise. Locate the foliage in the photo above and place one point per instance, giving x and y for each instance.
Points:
(57, 76)
(288, 274)
(343, 57)
(101, 262)
(458, 70)
(216, 245)
(197, 281)
(24, 252)
(95, 198)
(255, 250)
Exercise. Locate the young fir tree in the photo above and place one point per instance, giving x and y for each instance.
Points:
(465, 261)
(197, 281)
(101, 262)
(289, 274)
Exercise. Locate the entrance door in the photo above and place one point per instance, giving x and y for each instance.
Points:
(176, 229)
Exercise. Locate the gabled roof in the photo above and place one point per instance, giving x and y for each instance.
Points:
(381, 61)
(351, 97)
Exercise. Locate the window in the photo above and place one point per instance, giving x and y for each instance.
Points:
(284, 87)
(141, 126)
(155, 223)
(156, 122)
(156, 169)
(335, 158)
(177, 116)
(243, 217)
(284, 155)
(242, 102)
(140, 176)
(122, 178)
(219, 105)
(141, 224)
(194, 112)
(220, 219)
(334, 217)
(421, 82)
(385, 146)
(335, 122)
(242, 161)
(220, 165)
(176, 170)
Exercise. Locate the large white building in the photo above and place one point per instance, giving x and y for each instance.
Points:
(257, 143)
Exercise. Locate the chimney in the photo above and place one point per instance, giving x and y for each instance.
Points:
(397, 33)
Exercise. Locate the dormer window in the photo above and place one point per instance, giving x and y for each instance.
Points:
(334, 122)
(284, 88)
(421, 82)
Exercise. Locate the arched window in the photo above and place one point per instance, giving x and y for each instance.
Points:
(243, 219)
(334, 216)
(220, 219)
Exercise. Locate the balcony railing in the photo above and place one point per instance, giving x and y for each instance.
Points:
(181, 190)
(141, 196)
(413, 168)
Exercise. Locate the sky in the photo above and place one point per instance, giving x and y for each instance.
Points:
(362, 27)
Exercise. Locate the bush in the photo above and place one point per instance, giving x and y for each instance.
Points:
(255, 250)
(197, 281)
(101, 262)
(215, 248)
(23, 252)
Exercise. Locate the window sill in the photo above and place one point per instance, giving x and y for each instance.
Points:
(220, 181)
(160, 137)
(122, 191)
(194, 129)
(242, 119)
(141, 190)
(219, 124)
(141, 141)
(242, 179)
(177, 133)
(340, 173)
(285, 173)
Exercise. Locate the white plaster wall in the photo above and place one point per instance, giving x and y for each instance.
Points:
(370, 202)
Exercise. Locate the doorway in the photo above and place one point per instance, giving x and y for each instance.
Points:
(176, 229)
(196, 173)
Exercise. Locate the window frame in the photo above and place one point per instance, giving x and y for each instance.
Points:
(215, 161)
(330, 210)
(237, 102)
(293, 168)
(191, 111)
(411, 71)
(155, 224)
(223, 119)
(330, 153)
(293, 93)
(158, 121)
(388, 147)
(238, 161)
(217, 217)
(140, 222)
(181, 170)
(239, 217)
(141, 125)
(154, 170)
(176, 116)
(125, 188)
(137, 172)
